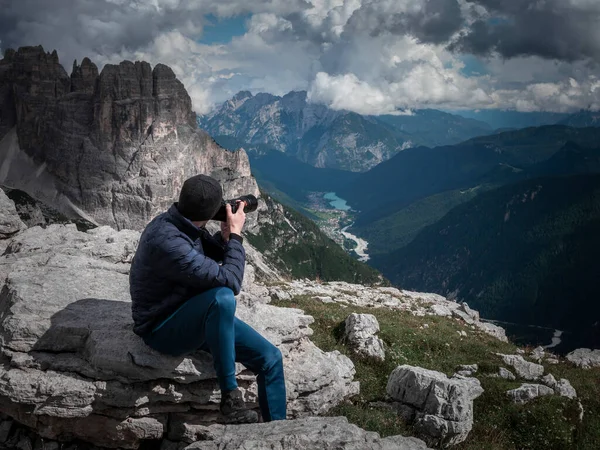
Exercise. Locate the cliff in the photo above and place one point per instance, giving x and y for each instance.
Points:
(113, 147)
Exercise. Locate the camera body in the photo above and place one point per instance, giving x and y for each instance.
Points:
(251, 204)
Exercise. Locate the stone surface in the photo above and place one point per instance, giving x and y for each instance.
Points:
(313, 433)
(528, 392)
(310, 433)
(564, 388)
(72, 367)
(538, 354)
(524, 369)
(361, 336)
(113, 147)
(443, 406)
(506, 374)
(585, 358)
(549, 380)
(10, 222)
(466, 370)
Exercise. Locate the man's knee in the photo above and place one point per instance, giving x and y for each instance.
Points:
(273, 358)
(224, 299)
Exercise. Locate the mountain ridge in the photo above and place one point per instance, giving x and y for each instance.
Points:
(328, 138)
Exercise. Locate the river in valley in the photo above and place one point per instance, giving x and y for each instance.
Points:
(339, 204)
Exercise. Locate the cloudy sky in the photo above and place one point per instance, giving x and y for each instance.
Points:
(369, 56)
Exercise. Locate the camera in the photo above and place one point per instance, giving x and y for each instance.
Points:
(251, 204)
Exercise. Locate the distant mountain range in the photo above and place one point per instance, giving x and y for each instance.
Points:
(325, 138)
(582, 119)
(418, 173)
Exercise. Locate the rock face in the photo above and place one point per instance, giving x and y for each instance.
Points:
(313, 433)
(528, 392)
(360, 335)
(310, 433)
(72, 368)
(113, 147)
(10, 222)
(441, 407)
(585, 358)
(524, 369)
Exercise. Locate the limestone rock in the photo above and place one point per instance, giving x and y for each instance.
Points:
(493, 330)
(506, 374)
(565, 389)
(585, 358)
(538, 354)
(528, 392)
(441, 310)
(360, 334)
(443, 407)
(313, 433)
(464, 306)
(524, 369)
(10, 222)
(467, 370)
(549, 380)
(72, 367)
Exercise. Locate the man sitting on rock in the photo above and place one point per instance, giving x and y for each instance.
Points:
(183, 299)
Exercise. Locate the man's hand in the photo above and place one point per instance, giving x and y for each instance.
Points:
(235, 222)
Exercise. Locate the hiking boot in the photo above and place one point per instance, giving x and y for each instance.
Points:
(234, 409)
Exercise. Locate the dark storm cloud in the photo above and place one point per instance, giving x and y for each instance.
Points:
(430, 21)
(567, 30)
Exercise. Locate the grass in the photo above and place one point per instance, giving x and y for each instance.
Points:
(434, 343)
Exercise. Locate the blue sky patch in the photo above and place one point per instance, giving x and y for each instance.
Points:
(222, 30)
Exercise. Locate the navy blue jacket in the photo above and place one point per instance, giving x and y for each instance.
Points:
(176, 260)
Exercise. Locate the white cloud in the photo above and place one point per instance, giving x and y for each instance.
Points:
(371, 57)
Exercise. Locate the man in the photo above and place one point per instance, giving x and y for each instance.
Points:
(183, 299)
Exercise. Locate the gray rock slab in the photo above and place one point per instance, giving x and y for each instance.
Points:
(313, 433)
(524, 369)
(528, 392)
(506, 374)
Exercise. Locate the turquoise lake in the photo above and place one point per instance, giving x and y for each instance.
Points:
(336, 202)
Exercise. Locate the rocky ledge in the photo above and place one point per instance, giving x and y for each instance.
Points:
(417, 303)
(71, 368)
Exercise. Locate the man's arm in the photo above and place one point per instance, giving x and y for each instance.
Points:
(183, 264)
(214, 246)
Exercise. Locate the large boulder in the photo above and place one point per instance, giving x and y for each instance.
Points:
(361, 336)
(441, 407)
(585, 358)
(72, 368)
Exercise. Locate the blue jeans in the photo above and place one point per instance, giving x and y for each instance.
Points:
(207, 322)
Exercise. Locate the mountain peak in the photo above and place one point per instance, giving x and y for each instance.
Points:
(242, 95)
